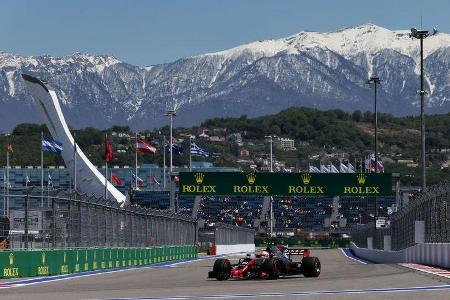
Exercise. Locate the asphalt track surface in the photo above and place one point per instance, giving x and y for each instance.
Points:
(341, 278)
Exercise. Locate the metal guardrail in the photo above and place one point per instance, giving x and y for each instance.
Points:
(432, 207)
(60, 220)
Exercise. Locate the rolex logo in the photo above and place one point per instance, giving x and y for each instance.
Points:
(199, 177)
(11, 259)
(43, 258)
(361, 178)
(306, 178)
(251, 178)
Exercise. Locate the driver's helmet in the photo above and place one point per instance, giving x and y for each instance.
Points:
(265, 254)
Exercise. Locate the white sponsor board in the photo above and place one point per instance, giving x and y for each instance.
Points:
(17, 218)
(383, 223)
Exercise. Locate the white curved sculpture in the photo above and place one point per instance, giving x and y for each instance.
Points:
(89, 180)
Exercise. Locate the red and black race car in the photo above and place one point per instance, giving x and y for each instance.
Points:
(274, 262)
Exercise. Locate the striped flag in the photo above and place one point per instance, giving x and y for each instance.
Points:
(343, 168)
(115, 179)
(28, 181)
(137, 179)
(196, 150)
(50, 145)
(154, 180)
(142, 146)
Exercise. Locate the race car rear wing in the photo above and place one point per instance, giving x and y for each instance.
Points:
(296, 251)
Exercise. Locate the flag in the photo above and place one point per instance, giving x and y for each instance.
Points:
(324, 169)
(368, 164)
(350, 168)
(108, 151)
(142, 146)
(313, 169)
(333, 169)
(50, 145)
(343, 168)
(10, 148)
(115, 179)
(176, 149)
(28, 181)
(153, 178)
(176, 179)
(137, 179)
(196, 150)
(49, 180)
(380, 167)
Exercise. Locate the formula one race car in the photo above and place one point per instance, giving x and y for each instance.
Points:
(272, 263)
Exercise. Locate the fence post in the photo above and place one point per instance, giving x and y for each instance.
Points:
(54, 222)
(27, 197)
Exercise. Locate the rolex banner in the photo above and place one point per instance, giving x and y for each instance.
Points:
(285, 184)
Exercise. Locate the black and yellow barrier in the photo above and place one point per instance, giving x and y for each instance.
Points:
(65, 261)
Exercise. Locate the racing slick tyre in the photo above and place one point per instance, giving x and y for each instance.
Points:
(311, 266)
(222, 269)
(272, 267)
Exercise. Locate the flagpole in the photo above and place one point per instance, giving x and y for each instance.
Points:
(4, 193)
(42, 171)
(190, 153)
(7, 180)
(164, 161)
(106, 169)
(75, 166)
(136, 160)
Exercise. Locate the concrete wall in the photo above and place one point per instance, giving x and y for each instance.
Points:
(228, 249)
(378, 256)
(433, 254)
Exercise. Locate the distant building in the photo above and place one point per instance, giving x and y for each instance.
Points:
(284, 144)
(215, 138)
(235, 137)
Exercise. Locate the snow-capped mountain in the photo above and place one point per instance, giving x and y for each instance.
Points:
(321, 70)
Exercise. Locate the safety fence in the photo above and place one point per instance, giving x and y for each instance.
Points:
(431, 207)
(21, 263)
(56, 219)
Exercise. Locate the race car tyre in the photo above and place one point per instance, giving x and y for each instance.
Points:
(272, 267)
(311, 266)
(222, 269)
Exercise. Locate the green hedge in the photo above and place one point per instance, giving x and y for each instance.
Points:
(65, 261)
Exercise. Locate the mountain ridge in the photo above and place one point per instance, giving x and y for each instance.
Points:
(321, 70)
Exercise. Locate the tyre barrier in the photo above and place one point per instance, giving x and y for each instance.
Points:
(23, 263)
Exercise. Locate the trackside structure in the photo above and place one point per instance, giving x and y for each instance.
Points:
(419, 232)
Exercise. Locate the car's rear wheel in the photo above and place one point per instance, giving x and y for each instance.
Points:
(222, 269)
(311, 266)
(272, 267)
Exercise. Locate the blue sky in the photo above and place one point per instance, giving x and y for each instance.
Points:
(156, 31)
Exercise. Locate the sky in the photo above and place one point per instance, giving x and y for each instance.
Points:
(148, 32)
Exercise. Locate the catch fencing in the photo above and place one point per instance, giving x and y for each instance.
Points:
(58, 219)
(432, 207)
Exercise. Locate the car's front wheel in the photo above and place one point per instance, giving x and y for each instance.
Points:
(222, 269)
(272, 267)
(311, 266)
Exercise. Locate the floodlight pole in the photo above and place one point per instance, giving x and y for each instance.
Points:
(171, 113)
(375, 81)
(421, 35)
